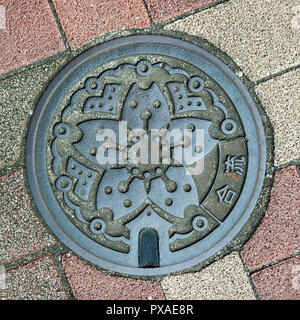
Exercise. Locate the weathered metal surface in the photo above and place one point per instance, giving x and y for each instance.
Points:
(192, 193)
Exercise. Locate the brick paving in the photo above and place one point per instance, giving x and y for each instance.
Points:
(278, 234)
(30, 33)
(171, 8)
(88, 283)
(83, 21)
(263, 41)
(279, 282)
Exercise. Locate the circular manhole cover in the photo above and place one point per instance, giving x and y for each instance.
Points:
(146, 155)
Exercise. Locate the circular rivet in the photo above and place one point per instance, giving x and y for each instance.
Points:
(93, 85)
(168, 201)
(146, 114)
(200, 223)
(97, 226)
(228, 126)
(190, 127)
(64, 184)
(156, 104)
(93, 151)
(108, 190)
(171, 186)
(158, 170)
(133, 104)
(127, 203)
(100, 129)
(196, 84)
(144, 68)
(198, 149)
(187, 188)
(62, 130)
(146, 174)
(123, 186)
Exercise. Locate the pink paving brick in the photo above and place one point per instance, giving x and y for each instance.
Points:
(88, 283)
(27, 33)
(37, 280)
(278, 236)
(279, 282)
(85, 20)
(167, 9)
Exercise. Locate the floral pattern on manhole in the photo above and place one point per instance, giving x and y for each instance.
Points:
(146, 155)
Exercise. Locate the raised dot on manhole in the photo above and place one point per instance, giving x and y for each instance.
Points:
(156, 104)
(97, 226)
(137, 217)
(62, 130)
(146, 174)
(146, 114)
(228, 126)
(171, 186)
(123, 186)
(127, 203)
(200, 223)
(198, 149)
(196, 84)
(158, 170)
(144, 68)
(190, 127)
(93, 151)
(133, 104)
(93, 85)
(64, 184)
(108, 190)
(168, 201)
(187, 187)
(100, 129)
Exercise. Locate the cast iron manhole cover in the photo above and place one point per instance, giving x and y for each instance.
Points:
(146, 155)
